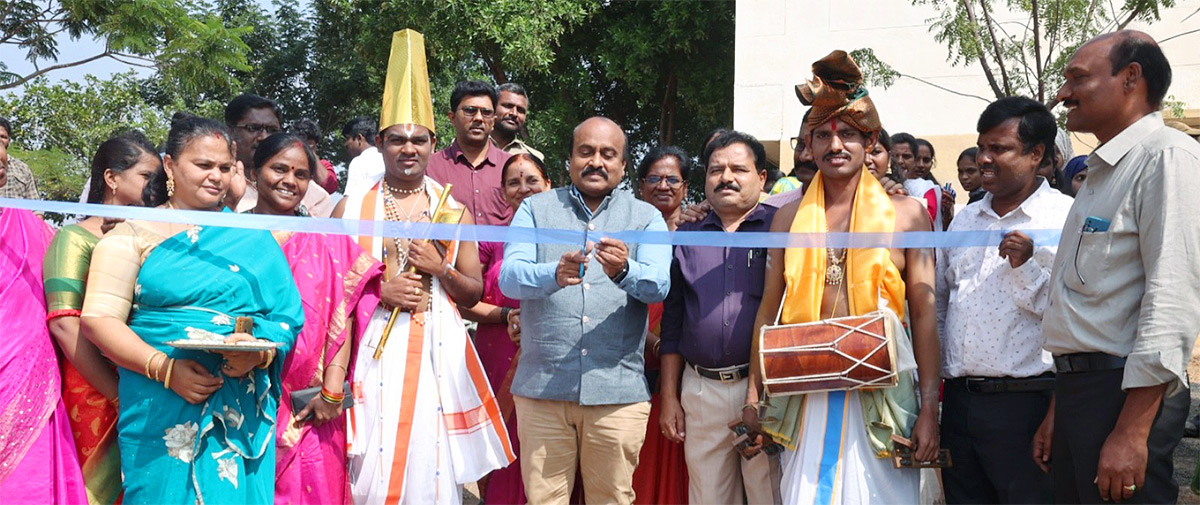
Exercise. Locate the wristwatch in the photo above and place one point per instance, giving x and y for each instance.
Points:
(621, 275)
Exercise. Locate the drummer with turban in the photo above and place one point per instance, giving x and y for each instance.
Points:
(838, 443)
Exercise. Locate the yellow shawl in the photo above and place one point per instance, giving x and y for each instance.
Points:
(874, 282)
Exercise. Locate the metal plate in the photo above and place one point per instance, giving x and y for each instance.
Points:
(209, 345)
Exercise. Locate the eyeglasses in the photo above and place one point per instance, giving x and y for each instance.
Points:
(672, 181)
(255, 129)
(472, 111)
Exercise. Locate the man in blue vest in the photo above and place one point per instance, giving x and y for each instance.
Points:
(579, 388)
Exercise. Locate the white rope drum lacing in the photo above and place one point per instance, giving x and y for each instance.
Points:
(888, 375)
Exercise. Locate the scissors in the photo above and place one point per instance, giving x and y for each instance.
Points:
(583, 250)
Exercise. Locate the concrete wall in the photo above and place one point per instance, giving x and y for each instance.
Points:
(777, 41)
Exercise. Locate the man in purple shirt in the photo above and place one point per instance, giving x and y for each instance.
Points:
(472, 163)
(707, 327)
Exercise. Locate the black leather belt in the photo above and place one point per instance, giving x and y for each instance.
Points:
(728, 374)
(1044, 382)
(1087, 362)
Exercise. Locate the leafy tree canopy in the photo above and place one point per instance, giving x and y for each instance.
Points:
(664, 70)
(189, 46)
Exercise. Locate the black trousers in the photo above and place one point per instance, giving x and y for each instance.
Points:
(1087, 405)
(990, 438)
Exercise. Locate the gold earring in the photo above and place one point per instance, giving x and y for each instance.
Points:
(170, 186)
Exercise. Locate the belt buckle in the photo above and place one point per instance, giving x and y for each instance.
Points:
(728, 375)
(974, 383)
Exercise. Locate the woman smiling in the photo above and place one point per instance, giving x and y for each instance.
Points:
(152, 283)
(339, 287)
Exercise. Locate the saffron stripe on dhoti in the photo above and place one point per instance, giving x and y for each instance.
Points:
(412, 376)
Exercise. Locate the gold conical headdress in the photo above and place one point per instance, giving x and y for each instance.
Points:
(406, 98)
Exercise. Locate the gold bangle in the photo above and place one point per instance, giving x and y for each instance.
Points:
(158, 369)
(750, 406)
(170, 366)
(339, 365)
(270, 358)
(150, 359)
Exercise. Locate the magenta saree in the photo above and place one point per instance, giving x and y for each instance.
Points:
(38, 463)
(339, 288)
(497, 352)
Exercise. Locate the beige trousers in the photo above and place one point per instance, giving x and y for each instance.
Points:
(717, 474)
(602, 440)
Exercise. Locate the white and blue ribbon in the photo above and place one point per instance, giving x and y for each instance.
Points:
(484, 233)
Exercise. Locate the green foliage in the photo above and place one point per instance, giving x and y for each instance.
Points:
(1027, 56)
(59, 175)
(875, 71)
(59, 126)
(663, 70)
(191, 49)
(75, 117)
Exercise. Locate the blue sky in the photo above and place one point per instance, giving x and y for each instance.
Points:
(69, 50)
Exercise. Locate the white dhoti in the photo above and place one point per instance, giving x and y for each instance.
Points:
(425, 420)
(834, 462)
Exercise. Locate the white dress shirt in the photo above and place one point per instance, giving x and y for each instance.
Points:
(364, 168)
(989, 313)
(1133, 290)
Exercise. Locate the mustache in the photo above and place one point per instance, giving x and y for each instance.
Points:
(594, 170)
(727, 185)
(1071, 103)
(839, 154)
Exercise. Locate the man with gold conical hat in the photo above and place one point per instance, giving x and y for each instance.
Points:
(425, 420)
(837, 443)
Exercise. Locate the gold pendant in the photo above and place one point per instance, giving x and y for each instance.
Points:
(833, 274)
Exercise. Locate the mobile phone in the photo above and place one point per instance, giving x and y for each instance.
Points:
(1093, 224)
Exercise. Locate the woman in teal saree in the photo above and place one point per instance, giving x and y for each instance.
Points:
(193, 426)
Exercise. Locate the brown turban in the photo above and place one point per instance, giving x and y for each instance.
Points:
(836, 90)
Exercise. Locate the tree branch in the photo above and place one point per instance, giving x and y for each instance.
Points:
(1129, 19)
(943, 88)
(996, 49)
(42, 71)
(1037, 52)
(987, 69)
(10, 33)
(1189, 32)
(119, 56)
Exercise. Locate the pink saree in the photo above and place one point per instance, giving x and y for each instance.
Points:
(339, 288)
(38, 463)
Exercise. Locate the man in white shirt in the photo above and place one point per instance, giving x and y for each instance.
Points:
(990, 303)
(366, 163)
(1125, 288)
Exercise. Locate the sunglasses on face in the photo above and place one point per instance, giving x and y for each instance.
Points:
(472, 111)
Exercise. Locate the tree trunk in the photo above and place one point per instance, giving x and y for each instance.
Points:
(666, 121)
(987, 69)
(1037, 53)
(990, 23)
